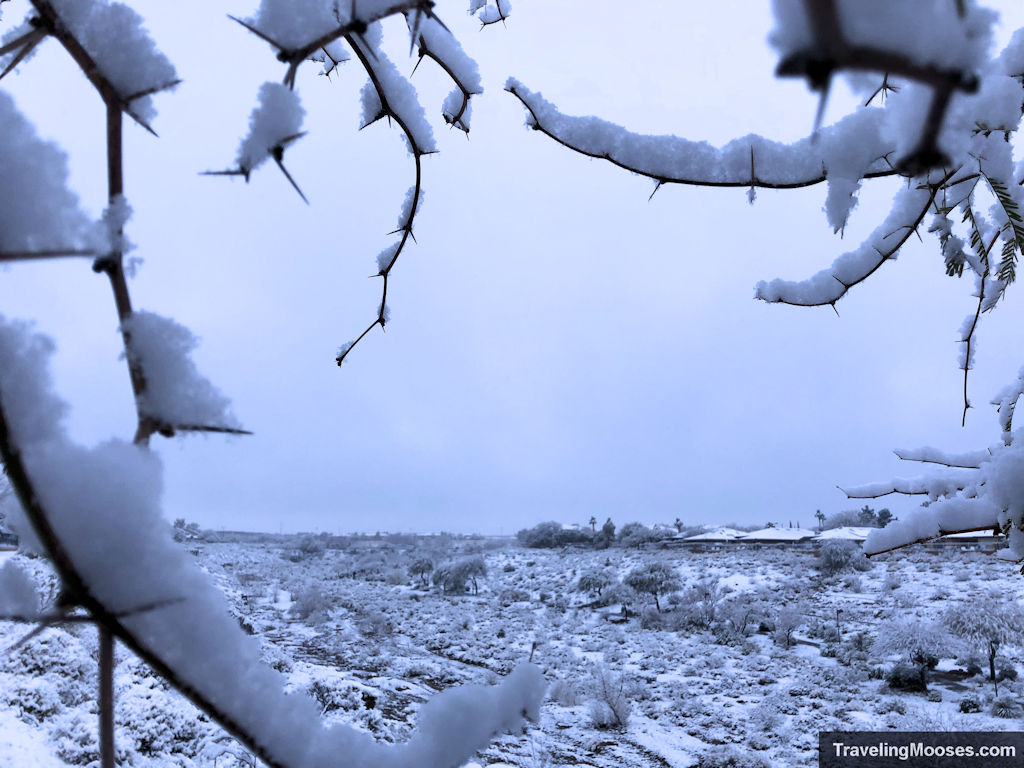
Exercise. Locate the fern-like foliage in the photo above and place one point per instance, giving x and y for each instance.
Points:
(1007, 270)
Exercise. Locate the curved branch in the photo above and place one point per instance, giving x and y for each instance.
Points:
(933, 486)
(854, 267)
(972, 460)
(374, 62)
(438, 44)
(674, 160)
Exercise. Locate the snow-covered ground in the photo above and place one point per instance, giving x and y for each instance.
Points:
(353, 630)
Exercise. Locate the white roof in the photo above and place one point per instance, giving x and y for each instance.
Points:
(987, 533)
(717, 534)
(779, 534)
(849, 532)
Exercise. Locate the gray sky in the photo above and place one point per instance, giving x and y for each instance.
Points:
(558, 347)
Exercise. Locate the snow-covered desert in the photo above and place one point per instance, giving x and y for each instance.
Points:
(756, 649)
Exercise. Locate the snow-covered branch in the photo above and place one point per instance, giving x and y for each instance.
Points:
(387, 94)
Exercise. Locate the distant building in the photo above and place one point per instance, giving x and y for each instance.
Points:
(8, 540)
(846, 533)
(777, 536)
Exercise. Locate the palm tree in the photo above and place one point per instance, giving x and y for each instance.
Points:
(821, 519)
(593, 523)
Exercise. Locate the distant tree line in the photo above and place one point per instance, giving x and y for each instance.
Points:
(551, 534)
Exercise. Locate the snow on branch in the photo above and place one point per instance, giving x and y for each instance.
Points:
(437, 43)
(934, 486)
(113, 49)
(1006, 402)
(97, 514)
(274, 125)
(39, 216)
(176, 397)
(956, 515)
(853, 267)
(389, 95)
(751, 161)
(929, 455)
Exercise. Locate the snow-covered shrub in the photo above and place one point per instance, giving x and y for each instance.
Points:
(594, 582)
(375, 623)
(34, 697)
(853, 583)
(907, 677)
(986, 623)
(309, 547)
(332, 695)
(1006, 707)
(564, 692)
(891, 704)
(891, 581)
(788, 619)
(652, 618)
(730, 757)
(654, 579)
(311, 604)
(421, 568)
(698, 604)
(510, 595)
(766, 716)
(919, 642)
(73, 735)
(157, 723)
(969, 705)
(609, 704)
(60, 657)
(837, 556)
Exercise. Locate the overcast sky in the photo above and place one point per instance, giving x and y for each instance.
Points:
(559, 346)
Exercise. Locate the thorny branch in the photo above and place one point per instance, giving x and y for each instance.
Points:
(77, 592)
(661, 178)
(369, 61)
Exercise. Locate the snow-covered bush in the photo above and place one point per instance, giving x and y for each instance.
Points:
(564, 692)
(61, 658)
(837, 556)
(921, 643)
(311, 604)
(730, 757)
(34, 698)
(654, 579)
(698, 604)
(986, 623)
(594, 582)
(421, 568)
(1006, 707)
(609, 704)
(787, 620)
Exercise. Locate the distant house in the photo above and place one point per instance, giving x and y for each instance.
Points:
(846, 533)
(717, 534)
(987, 541)
(777, 536)
(713, 539)
(8, 540)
